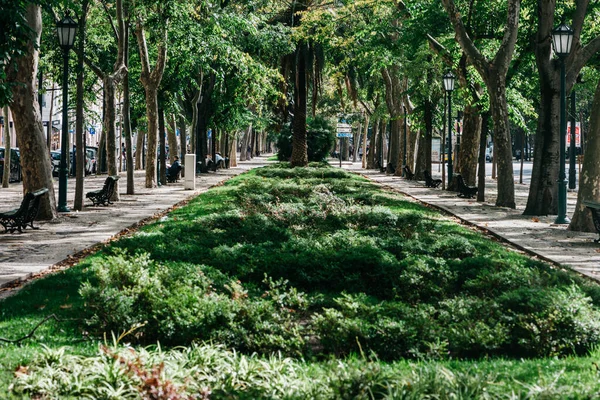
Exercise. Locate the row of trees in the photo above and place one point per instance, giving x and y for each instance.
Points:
(237, 66)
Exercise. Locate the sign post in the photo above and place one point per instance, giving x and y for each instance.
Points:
(343, 130)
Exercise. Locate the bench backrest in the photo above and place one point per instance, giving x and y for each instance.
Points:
(109, 185)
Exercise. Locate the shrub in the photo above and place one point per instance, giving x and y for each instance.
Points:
(180, 304)
(320, 138)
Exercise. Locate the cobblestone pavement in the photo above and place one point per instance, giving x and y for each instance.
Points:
(538, 236)
(33, 251)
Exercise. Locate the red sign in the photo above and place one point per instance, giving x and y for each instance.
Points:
(577, 134)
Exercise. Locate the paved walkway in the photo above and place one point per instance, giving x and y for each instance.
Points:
(538, 236)
(51, 247)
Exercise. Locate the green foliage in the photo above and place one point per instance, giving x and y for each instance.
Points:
(396, 278)
(182, 303)
(320, 138)
(209, 371)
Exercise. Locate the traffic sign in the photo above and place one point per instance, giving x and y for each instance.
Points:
(344, 134)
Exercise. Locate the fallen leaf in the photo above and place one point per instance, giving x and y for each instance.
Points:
(21, 370)
(534, 219)
(65, 306)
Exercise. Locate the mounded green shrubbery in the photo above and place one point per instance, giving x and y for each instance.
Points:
(374, 272)
(316, 264)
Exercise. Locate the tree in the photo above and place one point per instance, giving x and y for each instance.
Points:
(493, 72)
(542, 198)
(151, 78)
(21, 74)
(110, 81)
(589, 179)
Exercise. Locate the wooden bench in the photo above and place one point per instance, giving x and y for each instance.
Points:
(429, 181)
(408, 174)
(103, 195)
(465, 190)
(19, 218)
(595, 209)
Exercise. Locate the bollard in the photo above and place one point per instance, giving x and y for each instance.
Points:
(190, 172)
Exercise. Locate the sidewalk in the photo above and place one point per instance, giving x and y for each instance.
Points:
(51, 247)
(538, 236)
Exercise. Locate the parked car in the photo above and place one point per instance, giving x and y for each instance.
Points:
(15, 165)
(90, 167)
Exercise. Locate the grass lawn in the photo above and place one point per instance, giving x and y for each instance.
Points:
(304, 283)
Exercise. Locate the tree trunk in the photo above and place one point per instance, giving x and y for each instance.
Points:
(7, 149)
(299, 144)
(469, 146)
(231, 152)
(80, 149)
(172, 136)
(543, 191)
(152, 120)
(493, 72)
(162, 150)
(51, 114)
(195, 102)
(110, 128)
(127, 109)
(393, 100)
(373, 148)
(35, 159)
(151, 79)
(183, 141)
(482, 147)
(139, 149)
(502, 144)
(589, 179)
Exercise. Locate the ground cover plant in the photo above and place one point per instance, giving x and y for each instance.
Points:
(344, 289)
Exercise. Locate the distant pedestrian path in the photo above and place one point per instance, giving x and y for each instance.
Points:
(51, 248)
(538, 236)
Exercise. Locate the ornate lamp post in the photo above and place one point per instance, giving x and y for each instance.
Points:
(562, 38)
(449, 79)
(66, 30)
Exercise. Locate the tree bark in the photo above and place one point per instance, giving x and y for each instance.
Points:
(7, 148)
(493, 72)
(139, 149)
(151, 79)
(543, 192)
(589, 179)
(373, 148)
(35, 158)
(172, 136)
(127, 107)
(80, 148)
(394, 105)
(469, 146)
(299, 143)
(183, 140)
(162, 150)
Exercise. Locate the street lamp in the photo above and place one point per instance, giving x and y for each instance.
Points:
(66, 30)
(562, 38)
(449, 87)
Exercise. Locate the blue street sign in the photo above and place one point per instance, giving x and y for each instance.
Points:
(344, 134)
(209, 133)
(177, 132)
(92, 130)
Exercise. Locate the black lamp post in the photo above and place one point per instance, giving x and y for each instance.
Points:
(562, 38)
(66, 30)
(449, 87)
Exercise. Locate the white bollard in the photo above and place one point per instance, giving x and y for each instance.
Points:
(190, 172)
